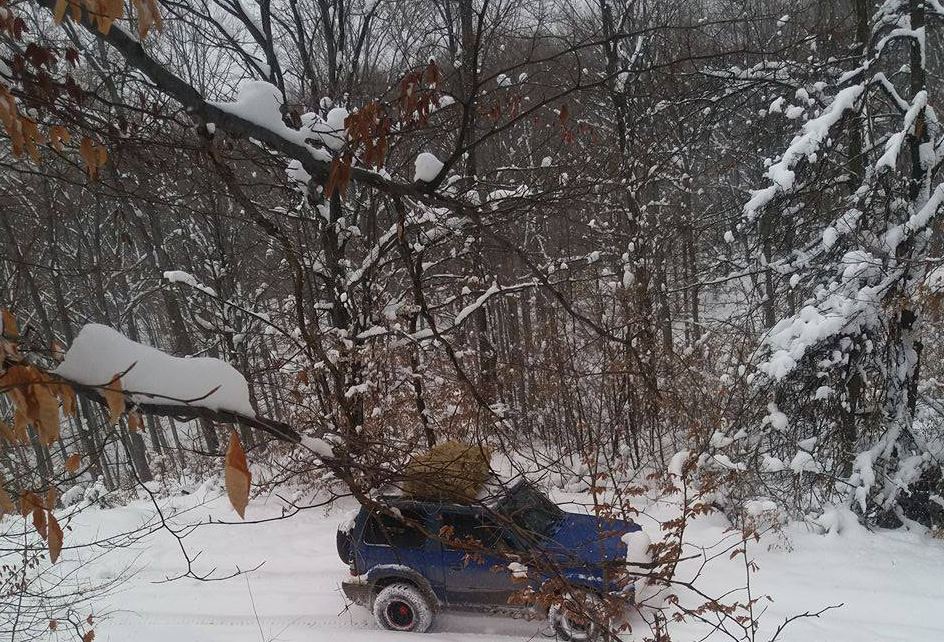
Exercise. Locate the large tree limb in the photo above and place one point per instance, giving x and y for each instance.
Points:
(175, 87)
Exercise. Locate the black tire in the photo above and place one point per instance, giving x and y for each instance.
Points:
(402, 607)
(570, 622)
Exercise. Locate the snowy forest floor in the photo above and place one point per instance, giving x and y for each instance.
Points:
(889, 583)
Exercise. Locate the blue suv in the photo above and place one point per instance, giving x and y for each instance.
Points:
(417, 557)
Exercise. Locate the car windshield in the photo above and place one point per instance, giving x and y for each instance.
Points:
(530, 510)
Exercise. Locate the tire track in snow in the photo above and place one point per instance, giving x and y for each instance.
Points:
(450, 623)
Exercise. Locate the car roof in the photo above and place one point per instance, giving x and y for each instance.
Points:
(491, 494)
(489, 497)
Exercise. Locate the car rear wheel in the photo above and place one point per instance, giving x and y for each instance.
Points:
(402, 607)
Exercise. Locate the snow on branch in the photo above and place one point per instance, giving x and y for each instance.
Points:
(149, 375)
(806, 145)
(896, 34)
(260, 103)
(893, 146)
(161, 384)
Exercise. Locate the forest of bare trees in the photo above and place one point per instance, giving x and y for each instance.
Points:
(639, 235)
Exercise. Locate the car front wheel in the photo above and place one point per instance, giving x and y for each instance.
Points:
(577, 620)
(402, 607)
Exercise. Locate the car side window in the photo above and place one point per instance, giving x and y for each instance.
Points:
(472, 530)
(385, 530)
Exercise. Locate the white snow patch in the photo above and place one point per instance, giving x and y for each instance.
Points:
(757, 507)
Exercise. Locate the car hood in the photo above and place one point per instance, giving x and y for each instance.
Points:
(590, 540)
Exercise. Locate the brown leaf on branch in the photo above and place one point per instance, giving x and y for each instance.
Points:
(94, 156)
(7, 507)
(67, 396)
(135, 424)
(29, 501)
(237, 475)
(20, 422)
(432, 73)
(10, 333)
(333, 175)
(9, 324)
(55, 538)
(60, 11)
(115, 398)
(59, 136)
(46, 414)
(73, 462)
(148, 15)
(40, 523)
(104, 13)
(34, 402)
(339, 177)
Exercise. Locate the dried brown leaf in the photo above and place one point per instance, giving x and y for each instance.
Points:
(115, 398)
(7, 507)
(148, 15)
(44, 408)
(73, 462)
(67, 397)
(60, 11)
(58, 137)
(237, 475)
(9, 324)
(20, 422)
(94, 155)
(39, 522)
(55, 538)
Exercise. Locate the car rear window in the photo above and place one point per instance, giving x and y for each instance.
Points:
(385, 530)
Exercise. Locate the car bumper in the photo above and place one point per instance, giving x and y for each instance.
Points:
(357, 592)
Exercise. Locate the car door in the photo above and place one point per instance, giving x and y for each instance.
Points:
(389, 540)
(475, 567)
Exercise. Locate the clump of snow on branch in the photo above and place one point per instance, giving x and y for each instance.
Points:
(151, 376)
(179, 276)
(260, 103)
(427, 167)
(518, 570)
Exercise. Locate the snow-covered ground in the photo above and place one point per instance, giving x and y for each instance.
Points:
(889, 583)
